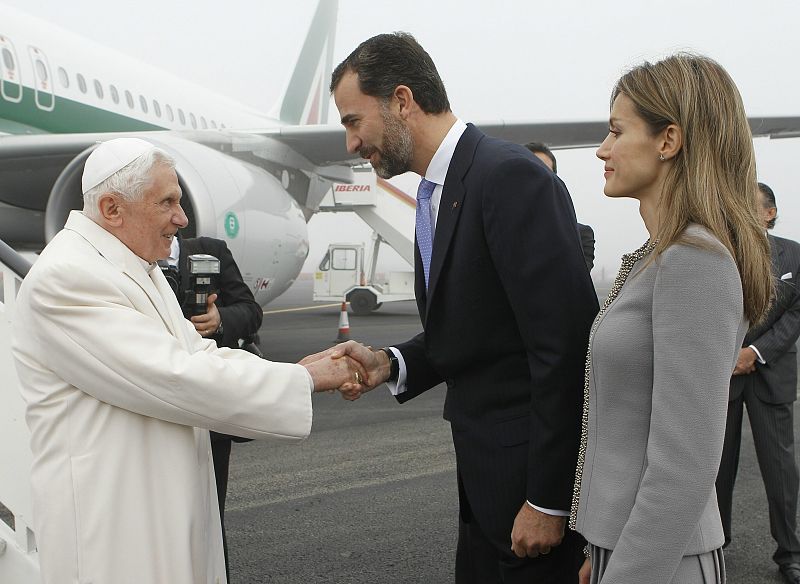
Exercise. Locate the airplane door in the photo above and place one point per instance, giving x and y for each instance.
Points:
(43, 84)
(10, 84)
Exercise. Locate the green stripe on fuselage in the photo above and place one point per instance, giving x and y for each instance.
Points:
(67, 117)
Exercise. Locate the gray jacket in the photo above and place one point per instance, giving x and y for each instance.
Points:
(662, 357)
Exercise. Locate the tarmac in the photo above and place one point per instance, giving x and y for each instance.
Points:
(370, 497)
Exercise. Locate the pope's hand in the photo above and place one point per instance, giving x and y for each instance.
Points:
(328, 374)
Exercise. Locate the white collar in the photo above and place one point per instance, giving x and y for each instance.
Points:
(174, 251)
(437, 169)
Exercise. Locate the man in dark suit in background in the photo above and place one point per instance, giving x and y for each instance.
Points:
(506, 303)
(232, 319)
(765, 379)
(543, 153)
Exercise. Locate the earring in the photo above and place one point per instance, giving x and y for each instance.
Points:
(661, 157)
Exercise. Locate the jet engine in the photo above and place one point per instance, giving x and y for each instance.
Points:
(247, 204)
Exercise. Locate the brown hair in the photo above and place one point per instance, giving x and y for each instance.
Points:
(713, 179)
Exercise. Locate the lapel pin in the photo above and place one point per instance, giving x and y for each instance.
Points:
(455, 204)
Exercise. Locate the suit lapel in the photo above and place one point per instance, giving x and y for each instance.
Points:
(453, 194)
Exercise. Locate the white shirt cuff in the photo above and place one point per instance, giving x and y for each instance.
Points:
(556, 512)
(399, 386)
(310, 380)
(758, 355)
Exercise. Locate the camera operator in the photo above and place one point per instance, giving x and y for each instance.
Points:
(232, 316)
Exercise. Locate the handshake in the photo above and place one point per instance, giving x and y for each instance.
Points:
(350, 367)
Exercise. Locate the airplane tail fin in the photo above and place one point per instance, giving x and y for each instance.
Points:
(306, 98)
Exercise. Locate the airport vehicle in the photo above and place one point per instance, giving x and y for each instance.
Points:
(345, 271)
(343, 274)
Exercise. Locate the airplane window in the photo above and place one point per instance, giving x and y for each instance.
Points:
(98, 89)
(143, 103)
(81, 83)
(170, 115)
(193, 119)
(114, 93)
(8, 59)
(41, 70)
(63, 77)
(203, 123)
(129, 99)
(157, 108)
(181, 117)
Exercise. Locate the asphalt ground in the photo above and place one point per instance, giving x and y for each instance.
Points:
(371, 496)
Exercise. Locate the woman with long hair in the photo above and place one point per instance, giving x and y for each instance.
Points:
(664, 345)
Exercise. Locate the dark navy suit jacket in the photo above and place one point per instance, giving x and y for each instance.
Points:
(506, 320)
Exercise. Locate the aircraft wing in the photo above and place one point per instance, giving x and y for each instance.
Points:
(33, 167)
(324, 145)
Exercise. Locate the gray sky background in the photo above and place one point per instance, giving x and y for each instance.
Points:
(514, 60)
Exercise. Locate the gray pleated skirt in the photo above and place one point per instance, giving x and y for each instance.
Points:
(707, 568)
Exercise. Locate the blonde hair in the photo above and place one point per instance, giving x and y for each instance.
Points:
(712, 181)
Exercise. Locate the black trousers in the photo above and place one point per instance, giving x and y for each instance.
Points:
(773, 437)
(221, 453)
(480, 561)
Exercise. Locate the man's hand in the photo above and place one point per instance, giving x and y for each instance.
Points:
(746, 363)
(343, 374)
(208, 323)
(535, 532)
(374, 365)
(585, 573)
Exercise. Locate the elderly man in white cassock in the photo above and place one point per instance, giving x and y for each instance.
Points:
(121, 390)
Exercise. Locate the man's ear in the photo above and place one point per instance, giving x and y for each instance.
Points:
(672, 141)
(110, 209)
(405, 100)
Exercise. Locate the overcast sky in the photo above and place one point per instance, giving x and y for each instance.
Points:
(517, 60)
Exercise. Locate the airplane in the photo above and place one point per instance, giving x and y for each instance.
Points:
(247, 177)
(60, 94)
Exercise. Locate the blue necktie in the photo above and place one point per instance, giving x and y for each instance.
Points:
(424, 227)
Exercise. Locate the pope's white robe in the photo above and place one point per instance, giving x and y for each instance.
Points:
(121, 392)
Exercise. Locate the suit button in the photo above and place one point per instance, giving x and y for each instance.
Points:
(450, 382)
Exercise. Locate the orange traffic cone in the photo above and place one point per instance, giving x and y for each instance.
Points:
(344, 325)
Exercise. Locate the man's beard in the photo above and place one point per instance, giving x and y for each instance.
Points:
(398, 147)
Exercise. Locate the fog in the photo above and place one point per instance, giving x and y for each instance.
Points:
(515, 60)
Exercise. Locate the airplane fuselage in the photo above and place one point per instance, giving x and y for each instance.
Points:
(55, 82)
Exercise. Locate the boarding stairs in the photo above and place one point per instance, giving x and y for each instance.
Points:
(19, 560)
(381, 205)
